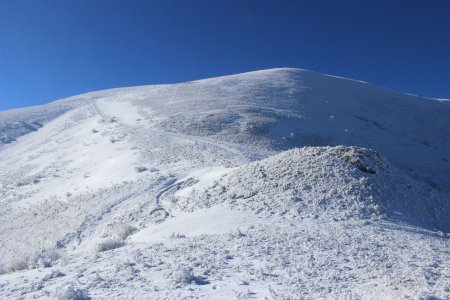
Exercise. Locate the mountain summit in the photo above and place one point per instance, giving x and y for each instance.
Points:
(276, 183)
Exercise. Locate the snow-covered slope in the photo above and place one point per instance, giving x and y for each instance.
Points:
(350, 182)
(152, 171)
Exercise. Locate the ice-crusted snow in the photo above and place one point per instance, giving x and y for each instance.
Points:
(275, 184)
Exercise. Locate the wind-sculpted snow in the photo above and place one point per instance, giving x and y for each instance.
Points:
(277, 184)
(351, 182)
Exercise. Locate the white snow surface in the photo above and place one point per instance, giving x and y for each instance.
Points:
(213, 220)
(275, 184)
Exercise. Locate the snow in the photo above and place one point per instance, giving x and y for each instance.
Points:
(202, 177)
(125, 112)
(277, 184)
(352, 182)
(90, 160)
(214, 220)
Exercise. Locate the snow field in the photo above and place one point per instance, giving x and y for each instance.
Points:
(275, 184)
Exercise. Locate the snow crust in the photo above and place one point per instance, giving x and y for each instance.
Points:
(213, 220)
(275, 184)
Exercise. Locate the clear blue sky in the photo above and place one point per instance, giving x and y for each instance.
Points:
(50, 49)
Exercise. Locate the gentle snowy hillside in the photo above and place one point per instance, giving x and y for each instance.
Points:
(196, 190)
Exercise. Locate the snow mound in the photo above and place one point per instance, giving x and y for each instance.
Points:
(351, 182)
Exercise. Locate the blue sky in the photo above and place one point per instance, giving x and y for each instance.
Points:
(50, 49)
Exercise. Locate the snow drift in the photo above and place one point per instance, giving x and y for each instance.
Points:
(347, 181)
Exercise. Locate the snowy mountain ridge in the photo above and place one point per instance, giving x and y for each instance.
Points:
(257, 169)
